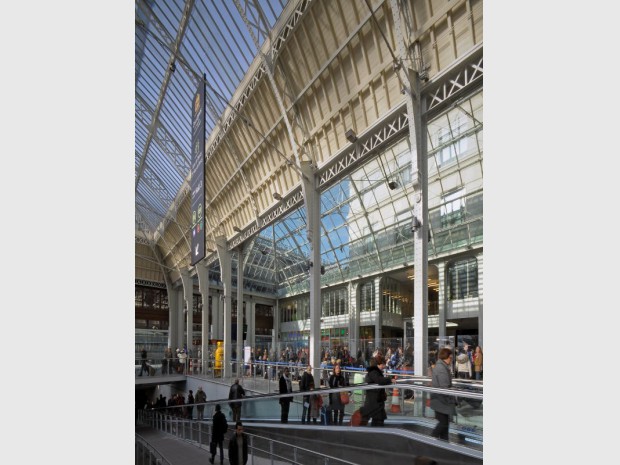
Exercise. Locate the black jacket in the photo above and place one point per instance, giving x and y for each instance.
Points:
(236, 392)
(232, 449)
(284, 390)
(220, 426)
(334, 382)
(304, 382)
(374, 397)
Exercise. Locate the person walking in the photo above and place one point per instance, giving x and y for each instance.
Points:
(478, 363)
(168, 366)
(374, 403)
(335, 405)
(201, 397)
(143, 366)
(304, 385)
(238, 446)
(236, 392)
(190, 405)
(443, 405)
(220, 426)
(285, 402)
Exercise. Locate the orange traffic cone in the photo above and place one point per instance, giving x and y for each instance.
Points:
(395, 408)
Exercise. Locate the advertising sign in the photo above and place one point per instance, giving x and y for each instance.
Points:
(197, 182)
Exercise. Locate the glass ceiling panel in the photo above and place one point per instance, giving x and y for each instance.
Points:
(216, 42)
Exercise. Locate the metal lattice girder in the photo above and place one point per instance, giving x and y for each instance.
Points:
(164, 139)
(162, 93)
(256, 78)
(455, 80)
(256, 20)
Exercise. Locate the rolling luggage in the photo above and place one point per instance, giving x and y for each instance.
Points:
(151, 371)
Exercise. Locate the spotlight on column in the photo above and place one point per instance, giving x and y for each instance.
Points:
(277, 196)
(350, 135)
(236, 228)
(322, 269)
(210, 250)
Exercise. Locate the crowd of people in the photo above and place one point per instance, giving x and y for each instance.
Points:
(373, 412)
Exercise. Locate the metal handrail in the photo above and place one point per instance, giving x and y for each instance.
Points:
(328, 458)
(152, 449)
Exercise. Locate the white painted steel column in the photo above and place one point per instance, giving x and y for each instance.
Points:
(225, 268)
(239, 308)
(354, 318)
(419, 161)
(275, 338)
(251, 319)
(180, 320)
(188, 292)
(216, 315)
(172, 316)
(313, 214)
(479, 257)
(203, 285)
(443, 297)
(379, 311)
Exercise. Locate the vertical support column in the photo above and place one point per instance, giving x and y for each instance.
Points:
(313, 214)
(226, 270)
(240, 311)
(275, 335)
(203, 285)
(172, 316)
(216, 315)
(251, 319)
(275, 338)
(479, 257)
(379, 310)
(354, 318)
(188, 292)
(180, 320)
(410, 80)
(443, 294)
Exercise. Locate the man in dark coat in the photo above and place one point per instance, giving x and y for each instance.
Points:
(285, 402)
(236, 392)
(374, 404)
(238, 446)
(304, 385)
(143, 366)
(443, 405)
(201, 397)
(190, 405)
(220, 426)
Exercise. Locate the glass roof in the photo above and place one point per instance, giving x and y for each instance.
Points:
(173, 49)
(365, 216)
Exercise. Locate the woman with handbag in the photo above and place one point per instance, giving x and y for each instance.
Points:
(335, 401)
